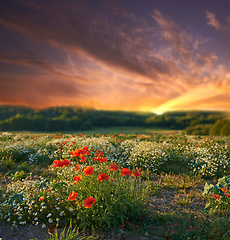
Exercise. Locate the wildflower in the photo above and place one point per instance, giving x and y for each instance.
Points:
(61, 214)
(73, 196)
(43, 225)
(198, 145)
(50, 220)
(88, 171)
(88, 202)
(227, 195)
(224, 190)
(113, 167)
(101, 159)
(51, 231)
(77, 167)
(120, 226)
(216, 196)
(48, 190)
(102, 176)
(49, 215)
(99, 153)
(83, 158)
(77, 179)
(136, 174)
(125, 172)
(111, 179)
(61, 163)
(41, 198)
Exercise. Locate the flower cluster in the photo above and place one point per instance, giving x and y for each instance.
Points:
(61, 163)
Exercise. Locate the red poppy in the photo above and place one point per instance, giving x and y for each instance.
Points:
(73, 196)
(41, 198)
(227, 195)
(101, 159)
(99, 153)
(113, 167)
(77, 167)
(88, 171)
(120, 226)
(102, 176)
(136, 174)
(125, 172)
(224, 190)
(83, 158)
(57, 163)
(111, 179)
(198, 145)
(66, 163)
(77, 179)
(88, 202)
(216, 196)
(48, 190)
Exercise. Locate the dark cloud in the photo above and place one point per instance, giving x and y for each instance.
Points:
(81, 28)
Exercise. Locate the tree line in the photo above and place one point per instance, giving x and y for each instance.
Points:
(18, 118)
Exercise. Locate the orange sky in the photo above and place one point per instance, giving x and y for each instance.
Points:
(116, 56)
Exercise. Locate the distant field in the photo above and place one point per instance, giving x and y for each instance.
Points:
(115, 130)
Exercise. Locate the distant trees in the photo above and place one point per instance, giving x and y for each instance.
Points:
(13, 118)
(221, 128)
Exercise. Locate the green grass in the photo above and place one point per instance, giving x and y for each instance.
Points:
(110, 130)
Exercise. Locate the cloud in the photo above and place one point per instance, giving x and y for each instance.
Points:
(79, 28)
(103, 56)
(212, 20)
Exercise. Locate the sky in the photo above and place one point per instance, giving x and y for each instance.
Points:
(131, 55)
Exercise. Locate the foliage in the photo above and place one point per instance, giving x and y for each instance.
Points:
(219, 195)
(14, 118)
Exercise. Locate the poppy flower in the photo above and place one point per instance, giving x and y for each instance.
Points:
(99, 153)
(48, 190)
(83, 158)
(41, 198)
(77, 179)
(136, 174)
(77, 167)
(66, 163)
(57, 163)
(101, 159)
(113, 167)
(111, 179)
(102, 176)
(224, 190)
(88, 171)
(88, 202)
(216, 196)
(73, 196)
(227, 195)
(125, 172)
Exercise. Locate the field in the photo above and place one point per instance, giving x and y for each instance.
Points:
(114, 184)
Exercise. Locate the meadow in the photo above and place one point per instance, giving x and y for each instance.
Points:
(105, 185)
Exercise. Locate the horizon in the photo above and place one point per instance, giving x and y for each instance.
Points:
(155, 57)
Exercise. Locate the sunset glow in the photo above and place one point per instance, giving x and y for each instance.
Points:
(153, 56)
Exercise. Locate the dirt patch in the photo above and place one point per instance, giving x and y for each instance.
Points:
(26, 232)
